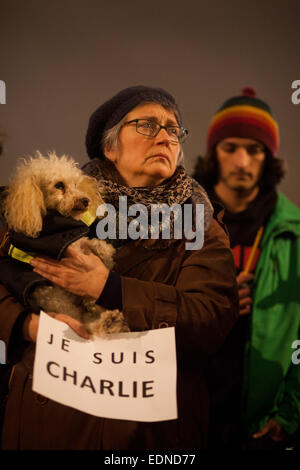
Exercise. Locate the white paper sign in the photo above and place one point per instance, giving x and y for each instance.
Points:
(128, 376)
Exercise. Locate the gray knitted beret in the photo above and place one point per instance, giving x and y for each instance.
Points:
(112, 111)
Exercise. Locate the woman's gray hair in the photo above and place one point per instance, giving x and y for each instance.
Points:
(111, 139)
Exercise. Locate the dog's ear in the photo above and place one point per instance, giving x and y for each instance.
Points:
(92, 190)
(24, 206)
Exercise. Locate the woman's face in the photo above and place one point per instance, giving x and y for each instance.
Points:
(142, 160)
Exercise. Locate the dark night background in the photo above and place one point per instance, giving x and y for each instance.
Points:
(61, 59)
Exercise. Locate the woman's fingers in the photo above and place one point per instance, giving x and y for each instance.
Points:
(53, 274)
(70, 251)
(31, 325)
(74, 256)
(54, 271)
(79, 273)
(76, 325)
(47, 269)
(41, 261)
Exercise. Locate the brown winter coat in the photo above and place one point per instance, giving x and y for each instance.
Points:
(195, 291)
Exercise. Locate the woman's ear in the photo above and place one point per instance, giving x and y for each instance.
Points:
(111, 153)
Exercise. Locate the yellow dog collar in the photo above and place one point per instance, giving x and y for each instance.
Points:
(87, 218)
(18, 254)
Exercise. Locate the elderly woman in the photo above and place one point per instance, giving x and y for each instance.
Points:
(134, 143)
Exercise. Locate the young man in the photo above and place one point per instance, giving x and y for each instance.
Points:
(255, 384)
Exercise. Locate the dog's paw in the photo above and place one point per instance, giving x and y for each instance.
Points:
(105, 251)
(110, 321)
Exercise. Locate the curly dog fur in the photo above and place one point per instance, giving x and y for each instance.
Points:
(48, 182)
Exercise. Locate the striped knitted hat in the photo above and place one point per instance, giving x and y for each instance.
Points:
(244, 116)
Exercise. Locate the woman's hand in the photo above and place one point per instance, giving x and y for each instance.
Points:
(31, 325)
(244, 292)
(81, 273)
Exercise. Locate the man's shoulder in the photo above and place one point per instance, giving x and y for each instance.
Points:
(285, 217)
(286, 208)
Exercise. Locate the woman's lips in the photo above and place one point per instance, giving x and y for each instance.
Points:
(160, 155)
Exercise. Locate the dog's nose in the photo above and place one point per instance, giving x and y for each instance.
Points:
(85, 201)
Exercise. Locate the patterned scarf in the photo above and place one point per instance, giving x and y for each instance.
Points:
(176, 190)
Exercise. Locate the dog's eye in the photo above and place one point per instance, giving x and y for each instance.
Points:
(60, 185)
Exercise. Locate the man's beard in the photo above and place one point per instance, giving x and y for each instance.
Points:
(241, 188)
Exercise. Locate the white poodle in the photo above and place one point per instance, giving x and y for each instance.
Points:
(44, 183)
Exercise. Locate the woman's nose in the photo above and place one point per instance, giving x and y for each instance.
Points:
(162, 136)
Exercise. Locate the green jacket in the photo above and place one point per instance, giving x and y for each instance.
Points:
(272, 380)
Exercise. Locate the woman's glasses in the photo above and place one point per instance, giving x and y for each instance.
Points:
(151, 129)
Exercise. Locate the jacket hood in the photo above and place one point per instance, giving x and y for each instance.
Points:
(285, 218)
